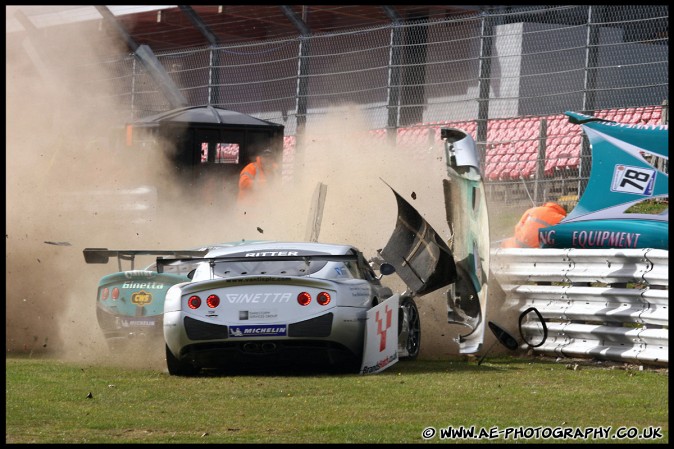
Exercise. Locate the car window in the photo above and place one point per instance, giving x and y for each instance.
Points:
(353, 270)
(366, 270)
(175, 269)
(226, 269)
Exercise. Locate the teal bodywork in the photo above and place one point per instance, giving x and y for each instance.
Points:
(468, 218)
(623, 174)
(607, 234)
(139, 308)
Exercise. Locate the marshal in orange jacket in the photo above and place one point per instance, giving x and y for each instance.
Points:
(253, 177)
(526, 230)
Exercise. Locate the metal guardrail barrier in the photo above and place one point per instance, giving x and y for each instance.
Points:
(601, 303)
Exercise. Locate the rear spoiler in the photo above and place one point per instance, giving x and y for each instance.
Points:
(161, 262)
(102, 255)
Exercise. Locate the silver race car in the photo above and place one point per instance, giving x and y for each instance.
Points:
(302, 303)
(275, 303)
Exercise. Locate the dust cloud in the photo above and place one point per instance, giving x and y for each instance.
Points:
(58, 161)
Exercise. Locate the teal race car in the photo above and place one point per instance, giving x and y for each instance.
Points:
(130, 303)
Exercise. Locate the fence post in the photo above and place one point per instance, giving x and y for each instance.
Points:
(393, 87)
(540, 158)
(486, 44)
(589, 88)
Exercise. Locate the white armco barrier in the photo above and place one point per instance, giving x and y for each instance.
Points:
(609, 304)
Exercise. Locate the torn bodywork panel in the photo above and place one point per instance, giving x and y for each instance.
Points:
(466, 208)
(426, 263)
(421, 259)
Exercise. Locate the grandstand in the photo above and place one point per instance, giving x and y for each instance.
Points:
(527, 149)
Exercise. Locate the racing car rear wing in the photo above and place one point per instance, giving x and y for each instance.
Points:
(102, 255)
(162, 262)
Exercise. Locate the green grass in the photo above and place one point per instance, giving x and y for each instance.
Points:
(46, 402)
(652, 206)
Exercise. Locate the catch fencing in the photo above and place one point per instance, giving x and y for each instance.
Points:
(606, 304)
(504, 63)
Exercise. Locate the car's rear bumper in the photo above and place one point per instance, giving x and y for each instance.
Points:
(330, 337)
(120, 327)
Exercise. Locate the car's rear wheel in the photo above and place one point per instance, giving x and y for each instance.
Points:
(413, 343)
(177, 367)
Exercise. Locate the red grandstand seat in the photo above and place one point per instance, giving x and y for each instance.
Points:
(573, 162)
(561, 162)
(518, 146)
(530, 130)
(532, 149)
(518, 170)
(530, 168)
(568, 128)
(489, 171)
(501, 149)
(507, 168)
(552, 152)
(494, 172)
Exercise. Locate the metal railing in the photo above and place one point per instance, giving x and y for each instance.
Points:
(601, 303)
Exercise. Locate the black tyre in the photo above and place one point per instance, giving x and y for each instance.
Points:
(177, 367)
(411, 314)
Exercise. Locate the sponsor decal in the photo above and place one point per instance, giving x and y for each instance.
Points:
(133, 323)
(380, 349)
(133, 274)
(383, 323)
(141, 298)
(257, 298)
(359, 291)
(546, 237)
(278, 330)
(591, 239)
(272, 254)
(257, 280)
(257, 314)
(630, 179)
(380, 365)
(151, 285)
(594, 239)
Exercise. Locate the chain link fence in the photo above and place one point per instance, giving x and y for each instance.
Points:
(506, 75)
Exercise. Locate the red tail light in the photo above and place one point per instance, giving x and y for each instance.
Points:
(105, 293)
(115, 293)
(213, 301)
(303, 299)
(323, 298)
(194, 302)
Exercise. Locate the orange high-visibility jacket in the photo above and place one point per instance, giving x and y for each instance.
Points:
(526, 230)
(252, 177)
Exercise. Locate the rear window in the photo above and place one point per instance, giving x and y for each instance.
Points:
(226, 269)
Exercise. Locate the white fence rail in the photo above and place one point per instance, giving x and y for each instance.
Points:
(609, 304)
